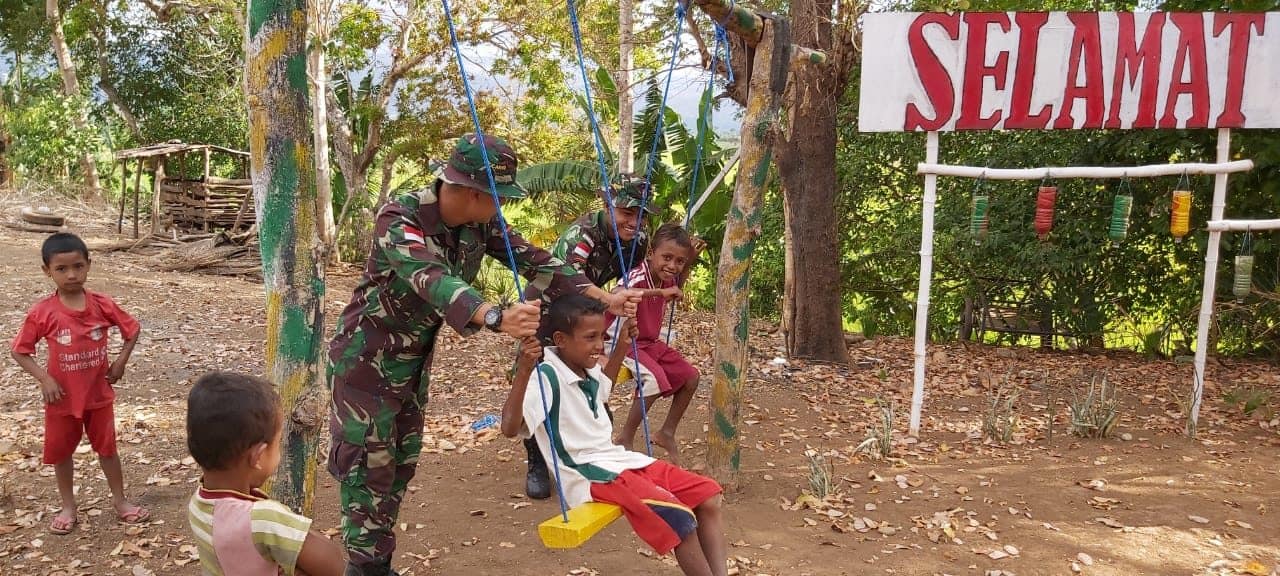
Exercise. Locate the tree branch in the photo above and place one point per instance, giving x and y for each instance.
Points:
(104, 76)
(703, 53)
(401, 63)
(340, 136)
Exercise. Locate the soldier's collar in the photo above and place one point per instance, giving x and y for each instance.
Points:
(429, 210)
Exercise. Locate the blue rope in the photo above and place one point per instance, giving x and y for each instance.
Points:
(506, 240)
(613, 218)
(658, 132)
(704, 126)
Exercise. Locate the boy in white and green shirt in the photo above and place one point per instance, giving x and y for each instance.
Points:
(234, 424)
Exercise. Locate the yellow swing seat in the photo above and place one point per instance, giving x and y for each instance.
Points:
(585, 521)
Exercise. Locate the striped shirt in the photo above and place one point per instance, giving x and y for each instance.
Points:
(245, 534)
(581, 426)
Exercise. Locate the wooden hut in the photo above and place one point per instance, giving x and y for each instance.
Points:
(185, 195)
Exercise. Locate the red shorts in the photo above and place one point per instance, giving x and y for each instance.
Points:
(668, 367)
(658, 500)
(62, 433)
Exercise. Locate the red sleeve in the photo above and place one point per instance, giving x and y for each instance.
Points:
(32, 330)
(638, 278)
(129, 328)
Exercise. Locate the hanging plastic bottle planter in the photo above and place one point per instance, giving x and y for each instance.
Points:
(979, 221)
(1046, 197)
(1180, 217)
(1243, 283)
(1120, 210)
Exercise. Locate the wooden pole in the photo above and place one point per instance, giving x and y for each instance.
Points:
(283, 171)
(1216, 211)
(157, 184)
(733, 316)
(137, 187)
(124, 193)
(205, 173)
(926, 278)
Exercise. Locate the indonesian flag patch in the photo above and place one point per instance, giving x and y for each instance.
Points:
(581, 251)
(413, 236)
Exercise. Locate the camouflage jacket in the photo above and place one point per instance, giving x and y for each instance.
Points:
(589, 247)
(418, 277)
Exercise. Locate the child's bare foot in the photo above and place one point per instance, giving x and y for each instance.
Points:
(64, 522)
(624, 442)
(132, 513)
(668, 442)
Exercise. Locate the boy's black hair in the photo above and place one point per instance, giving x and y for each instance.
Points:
(228, 413)
(566, 311)
(61, 243)
(672, 232)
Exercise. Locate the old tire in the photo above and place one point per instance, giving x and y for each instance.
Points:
(42, 216)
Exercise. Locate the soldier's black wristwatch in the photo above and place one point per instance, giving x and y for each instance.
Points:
(493, 318)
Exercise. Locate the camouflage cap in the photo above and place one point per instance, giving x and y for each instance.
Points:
(466, 166)
(629, 192)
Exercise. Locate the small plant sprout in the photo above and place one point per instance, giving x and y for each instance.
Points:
(1001, 417)
(879, 441)
(1095, 411)
(821, 475)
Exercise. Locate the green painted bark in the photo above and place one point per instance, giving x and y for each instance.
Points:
(734, 276)
(744, 23)
(281, 148)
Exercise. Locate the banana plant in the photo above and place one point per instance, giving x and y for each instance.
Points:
(567, 188)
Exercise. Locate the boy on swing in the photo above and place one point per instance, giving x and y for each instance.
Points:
(662, 369)
(670, 508)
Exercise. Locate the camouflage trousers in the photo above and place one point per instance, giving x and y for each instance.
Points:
(376, 429)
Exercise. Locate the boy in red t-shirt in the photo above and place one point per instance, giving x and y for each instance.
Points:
(663, 370)
(76, 386)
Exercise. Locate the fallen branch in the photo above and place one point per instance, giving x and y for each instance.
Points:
(26, 227)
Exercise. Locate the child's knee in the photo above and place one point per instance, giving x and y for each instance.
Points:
(712, 504)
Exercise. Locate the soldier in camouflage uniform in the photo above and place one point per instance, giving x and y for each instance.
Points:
(588, 245)
(428, 247)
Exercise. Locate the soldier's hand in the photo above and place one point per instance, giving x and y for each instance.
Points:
(520, 320)
(623, 302)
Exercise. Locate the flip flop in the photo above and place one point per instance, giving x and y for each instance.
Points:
(135, 516)
(53, 529)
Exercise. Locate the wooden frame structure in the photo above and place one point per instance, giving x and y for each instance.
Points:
(931, 169)
(184, 192)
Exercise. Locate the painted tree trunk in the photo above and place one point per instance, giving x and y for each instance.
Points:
(626, 105)
(733, 316)
(71, 89)
(807, 166)
(283, 172)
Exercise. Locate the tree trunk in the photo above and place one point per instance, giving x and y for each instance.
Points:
(788, 281)
(733, 314)
(626, 109)
(319, 74)
(283, 173)
(71, 89)
(807, 165)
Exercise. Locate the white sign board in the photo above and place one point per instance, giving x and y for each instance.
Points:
(1060, 70)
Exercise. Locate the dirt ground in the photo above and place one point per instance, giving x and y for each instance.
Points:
(1147, 501)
